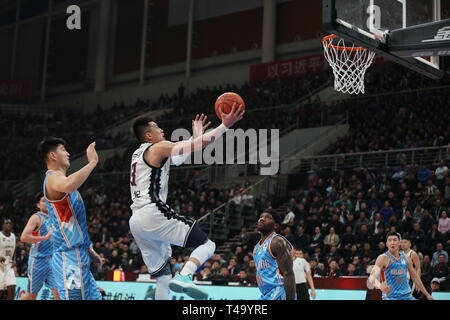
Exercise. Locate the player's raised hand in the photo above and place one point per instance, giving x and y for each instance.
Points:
(236, 114)
(199, 126)
(91, 153)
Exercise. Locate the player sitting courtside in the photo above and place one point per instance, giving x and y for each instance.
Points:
(37, 231)
(272, 255)
(392, 268)
(72, 248)
(154, 225)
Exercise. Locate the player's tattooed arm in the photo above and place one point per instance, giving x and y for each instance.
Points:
(282, 253)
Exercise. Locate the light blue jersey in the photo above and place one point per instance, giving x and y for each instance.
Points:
(71, 259)
(43, 248)
(270, 280)
(40, 260)
(396, 276)
(68, 220)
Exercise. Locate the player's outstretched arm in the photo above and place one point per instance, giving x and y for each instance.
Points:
(27, 234)
(167, 149)
(60, 183)
(199, 126)
(375, 274)
(416, 278)
(280, 250)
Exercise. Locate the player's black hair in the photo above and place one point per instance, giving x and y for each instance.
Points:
(390, 234)
(38, 196)
(274, 215)
(140, 125)
(407, 238)
(48, 145)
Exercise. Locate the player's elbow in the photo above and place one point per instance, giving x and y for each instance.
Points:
(24, 237)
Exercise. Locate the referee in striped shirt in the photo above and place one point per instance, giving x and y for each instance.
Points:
(302, 272)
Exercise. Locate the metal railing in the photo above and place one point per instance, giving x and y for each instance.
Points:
(213, 215)
(391, 158)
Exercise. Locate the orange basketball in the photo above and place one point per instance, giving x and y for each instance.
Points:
(225, 102)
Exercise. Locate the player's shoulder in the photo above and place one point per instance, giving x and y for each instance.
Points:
(383, 257)
(158, 147)
(35, 216)
(279, 241)
(55, 174)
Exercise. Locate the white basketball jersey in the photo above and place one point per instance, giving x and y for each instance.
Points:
(409, 254)
(148, 184)
(7, 247)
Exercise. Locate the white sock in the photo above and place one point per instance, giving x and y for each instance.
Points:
(162, 287)
(201, 253)
(189, 268)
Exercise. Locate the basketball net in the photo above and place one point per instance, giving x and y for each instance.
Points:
(349, 64)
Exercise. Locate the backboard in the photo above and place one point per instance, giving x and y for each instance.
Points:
(409, 32)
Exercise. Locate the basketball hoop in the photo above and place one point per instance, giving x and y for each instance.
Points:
(349, 64)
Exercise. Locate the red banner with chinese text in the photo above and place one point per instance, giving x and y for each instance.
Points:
(15, 90)
(288, 68)
(294, 67)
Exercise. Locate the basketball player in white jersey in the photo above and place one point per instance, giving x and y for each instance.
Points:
(154, 225)
(406, 248)
(7, 259)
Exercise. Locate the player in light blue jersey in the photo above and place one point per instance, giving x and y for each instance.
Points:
(72, 248)
(272, 256)
(37, 232)
(392, 269)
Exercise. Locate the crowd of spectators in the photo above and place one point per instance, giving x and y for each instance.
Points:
(22, 131)
(339, 219)
(404, 121)
(108, 212)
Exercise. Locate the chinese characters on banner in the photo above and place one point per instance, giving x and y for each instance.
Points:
(288, 68)
(293, 68)
(15, 90)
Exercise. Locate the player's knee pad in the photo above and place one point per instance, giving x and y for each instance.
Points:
(196, 238)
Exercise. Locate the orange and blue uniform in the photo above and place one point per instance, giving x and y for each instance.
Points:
(40, 260)
(71, 260)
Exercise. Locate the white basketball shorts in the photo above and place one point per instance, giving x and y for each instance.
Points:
(155, 228)
(7, 277)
